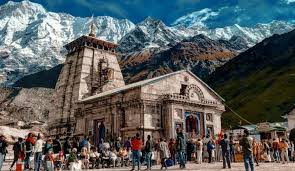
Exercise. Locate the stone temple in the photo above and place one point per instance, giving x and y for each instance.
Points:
(92, 98)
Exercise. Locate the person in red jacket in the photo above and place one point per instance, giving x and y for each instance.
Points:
(136, 151)
(29, 143)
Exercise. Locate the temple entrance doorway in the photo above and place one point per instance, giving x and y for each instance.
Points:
(99, 131)
(194, 124)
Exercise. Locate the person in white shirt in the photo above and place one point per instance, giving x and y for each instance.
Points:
(199, 151)
(114, 158)
(38, 153)
(94, 157)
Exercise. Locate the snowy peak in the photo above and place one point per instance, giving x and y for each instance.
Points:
(32, 39)
(150, 33)
(252, 35)
(150, 21)
(196, 23)
(22, 8)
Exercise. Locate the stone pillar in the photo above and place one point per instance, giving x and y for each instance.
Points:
(205, 124)
(217, 122)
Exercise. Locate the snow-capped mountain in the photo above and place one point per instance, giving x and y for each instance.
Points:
(200, 54)
(150, 33)
(31, 38)
(195, 23)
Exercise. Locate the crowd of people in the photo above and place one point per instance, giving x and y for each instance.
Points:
(75, 154)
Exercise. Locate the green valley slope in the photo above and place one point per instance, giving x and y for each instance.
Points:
(258, 84)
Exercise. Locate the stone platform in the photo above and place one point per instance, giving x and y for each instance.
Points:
(205, 167)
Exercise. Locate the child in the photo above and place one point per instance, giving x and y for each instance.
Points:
(84, 158)
(49, 159)
(58, 162)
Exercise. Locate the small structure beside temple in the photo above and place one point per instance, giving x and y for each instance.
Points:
(263, 130)
(291, 118)
(91, 98)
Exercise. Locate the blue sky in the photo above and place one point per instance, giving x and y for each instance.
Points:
(243, 12)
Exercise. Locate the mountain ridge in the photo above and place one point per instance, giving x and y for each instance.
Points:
(32, 38)
(259, 83)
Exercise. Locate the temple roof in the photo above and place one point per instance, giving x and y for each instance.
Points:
(90, 39)
(146, 82)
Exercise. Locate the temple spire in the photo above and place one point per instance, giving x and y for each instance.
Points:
(92, 28)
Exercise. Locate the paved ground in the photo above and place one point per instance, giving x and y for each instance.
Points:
(208, 167)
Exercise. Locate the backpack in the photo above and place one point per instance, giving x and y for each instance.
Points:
(180, 143)
(16, 147)
(169, 162)
(247, 145)
(210, 146)
(3, 146)
(29, 146)
(149, 146)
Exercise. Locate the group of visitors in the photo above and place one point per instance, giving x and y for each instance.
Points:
(273, 151)
(76, 154)
(54, 154)
(167, 152)
(267, 151)
(226, 149)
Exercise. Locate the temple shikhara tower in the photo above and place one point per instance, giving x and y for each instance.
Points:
(92, 99)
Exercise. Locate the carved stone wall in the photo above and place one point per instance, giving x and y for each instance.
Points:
(77, 80)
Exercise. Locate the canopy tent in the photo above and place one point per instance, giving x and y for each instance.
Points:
(265, 127)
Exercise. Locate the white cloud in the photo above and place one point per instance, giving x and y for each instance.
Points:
(197, 18)
(290, 1)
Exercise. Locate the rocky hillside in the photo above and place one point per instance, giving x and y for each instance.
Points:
(199, 53)
(21, 104)
(45, 78)
(259, 83)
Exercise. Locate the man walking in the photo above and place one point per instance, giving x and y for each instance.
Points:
(246, 143)
(210, 148)
(30, 142)
(276, 147)
(149, 151)
(224, 143)
(3, 145)
(164, 153)
(284, 151)
(17, 149)
(232, 149)
(136, 147)
(38, 153)
(180, 146)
